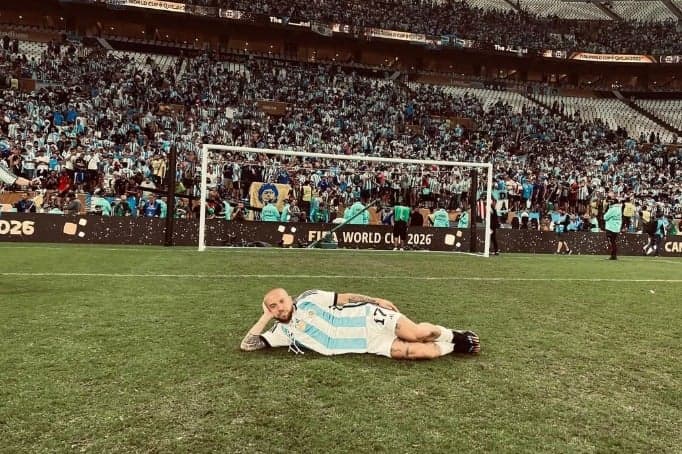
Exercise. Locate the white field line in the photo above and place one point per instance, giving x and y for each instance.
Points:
(335, 276)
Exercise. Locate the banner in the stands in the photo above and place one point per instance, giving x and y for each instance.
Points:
(670, 59)
(554, 54)
(156, 4)
(115, 4)
(262, 193)
(289, 21)
(197, 10)
(396, 35)
(518, 50)
(276, 108)
(612, 58)
(230, 14)
(452, 40)
(321, 29)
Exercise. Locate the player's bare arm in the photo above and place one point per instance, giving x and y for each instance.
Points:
(352, 298)
(253, 340)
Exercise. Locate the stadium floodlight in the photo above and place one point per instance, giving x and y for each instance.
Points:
(216, 155)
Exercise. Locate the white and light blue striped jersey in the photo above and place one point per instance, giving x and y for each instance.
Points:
(319, 325)
(6, 176)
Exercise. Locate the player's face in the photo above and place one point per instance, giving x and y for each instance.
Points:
(281, 306)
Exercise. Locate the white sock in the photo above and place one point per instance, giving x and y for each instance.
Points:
(445, 334)
(445, 347)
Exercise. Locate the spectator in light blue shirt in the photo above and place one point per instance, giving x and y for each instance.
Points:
(151, 208)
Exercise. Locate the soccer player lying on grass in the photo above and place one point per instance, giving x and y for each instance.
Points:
(337, 323)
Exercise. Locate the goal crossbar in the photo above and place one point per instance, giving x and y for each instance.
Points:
(206, 148)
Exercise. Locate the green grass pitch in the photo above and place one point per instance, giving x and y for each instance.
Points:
(122, 349)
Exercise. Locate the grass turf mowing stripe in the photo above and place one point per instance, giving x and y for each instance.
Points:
(340, 276)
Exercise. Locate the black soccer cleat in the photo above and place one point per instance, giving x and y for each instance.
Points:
(466, 342)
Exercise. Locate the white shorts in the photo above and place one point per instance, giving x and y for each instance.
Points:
(381, 324)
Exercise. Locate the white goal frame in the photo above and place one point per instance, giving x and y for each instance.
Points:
(206, 149)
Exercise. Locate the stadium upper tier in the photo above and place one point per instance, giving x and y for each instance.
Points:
(500, 5)
(613, 112)
(564, 10)
(669, 111)
(641, 27)
(643, 11)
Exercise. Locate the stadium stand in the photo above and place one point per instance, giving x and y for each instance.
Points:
(31, 49)
(614, 113)
(642, 11)
(146, 62)
(669, 111)
(486, 97)
(495, 5)
(539, 24)
(564, 10)
(125, 109)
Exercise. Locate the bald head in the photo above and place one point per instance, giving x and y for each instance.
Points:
(274, 294)
(280, 304)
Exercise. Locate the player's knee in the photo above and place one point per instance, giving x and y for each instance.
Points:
(424, 336)
(399, 350)
(426, 332)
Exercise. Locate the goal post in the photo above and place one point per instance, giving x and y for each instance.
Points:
(209, 149)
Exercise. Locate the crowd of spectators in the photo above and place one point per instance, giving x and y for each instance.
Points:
(106, 125)
(519, 28)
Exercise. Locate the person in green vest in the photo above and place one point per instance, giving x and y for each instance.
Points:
(613, 219)
(314, 206)
(269, 213)
(401, 217)
(122, 208)
(100, 204)
(629, 211)
(322, 214)
(227, 210)
(181, 208)
(354, 209)
(441, 218)
(163, 208)
(463, 220)
(286, 212)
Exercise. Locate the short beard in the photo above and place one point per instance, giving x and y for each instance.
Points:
(287, 319)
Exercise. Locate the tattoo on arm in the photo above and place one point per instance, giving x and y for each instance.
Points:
(252, 343)
(355, 298)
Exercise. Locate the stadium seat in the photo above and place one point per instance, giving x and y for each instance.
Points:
(643, 11)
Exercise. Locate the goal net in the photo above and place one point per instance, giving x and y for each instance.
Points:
(309, 193)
